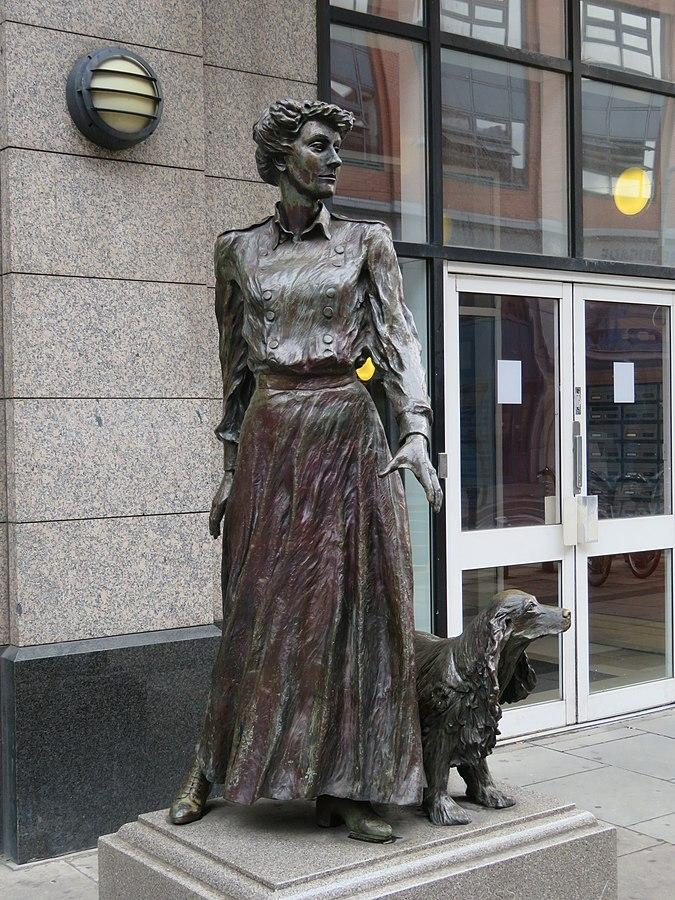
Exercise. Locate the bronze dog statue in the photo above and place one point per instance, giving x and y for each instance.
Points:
(461, 684)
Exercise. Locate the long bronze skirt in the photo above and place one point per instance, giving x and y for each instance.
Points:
(313, 689)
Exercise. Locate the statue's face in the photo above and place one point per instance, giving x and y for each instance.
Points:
(312, 164)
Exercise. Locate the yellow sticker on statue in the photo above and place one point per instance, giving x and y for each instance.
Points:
(367, 370)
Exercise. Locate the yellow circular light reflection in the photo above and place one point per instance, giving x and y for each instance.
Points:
(367, 370)
(632, 191)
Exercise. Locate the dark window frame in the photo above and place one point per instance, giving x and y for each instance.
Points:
(433, 250)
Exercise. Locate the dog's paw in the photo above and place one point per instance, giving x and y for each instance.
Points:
(491, 797)
(442, 810)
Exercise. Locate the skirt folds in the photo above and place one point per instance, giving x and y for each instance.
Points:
(313, 689)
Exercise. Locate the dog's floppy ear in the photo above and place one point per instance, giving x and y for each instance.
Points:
(522, 683)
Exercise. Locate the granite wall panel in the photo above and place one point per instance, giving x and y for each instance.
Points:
(37, 63)
(235, 204)
(167, 24)
(71, 215)
(85, 458)
(96, 577)
(234, 101)
(90, 337)
(277, 38)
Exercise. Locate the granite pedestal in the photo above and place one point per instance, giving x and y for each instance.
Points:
(537, 850)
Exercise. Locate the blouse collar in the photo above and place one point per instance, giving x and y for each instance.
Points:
(321, 221)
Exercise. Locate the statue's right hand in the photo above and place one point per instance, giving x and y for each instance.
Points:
(218, 504)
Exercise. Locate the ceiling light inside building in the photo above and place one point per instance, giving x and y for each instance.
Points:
(632, 191)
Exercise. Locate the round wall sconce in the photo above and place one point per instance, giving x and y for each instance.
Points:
(114, 97)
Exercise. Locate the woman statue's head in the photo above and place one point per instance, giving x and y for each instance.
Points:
(298, 143)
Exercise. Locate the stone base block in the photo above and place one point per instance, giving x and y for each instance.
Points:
(93, 732)
(538, 850)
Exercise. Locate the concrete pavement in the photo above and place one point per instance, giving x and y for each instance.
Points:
(624, 773)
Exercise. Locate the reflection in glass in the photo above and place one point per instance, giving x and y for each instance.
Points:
(504, 158)
(636, 36)
(629, 598)
(411, 11)
(381, 80)
(537, 25)
(509, 450)
(628, 445)
(541, 579)
(415, 290)
(628, 152)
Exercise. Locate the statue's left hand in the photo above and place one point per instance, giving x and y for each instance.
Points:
(414, 455)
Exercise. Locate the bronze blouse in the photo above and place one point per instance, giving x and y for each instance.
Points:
(320, 304)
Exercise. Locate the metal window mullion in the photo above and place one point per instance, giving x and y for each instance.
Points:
(478, 47)
(435, 124)
(575, 133)
(368, 22)
(626, 79)
(323, 49)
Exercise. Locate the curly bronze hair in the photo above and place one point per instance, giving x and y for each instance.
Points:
(280, 124)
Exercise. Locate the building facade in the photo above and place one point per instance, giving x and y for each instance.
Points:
(523, 154)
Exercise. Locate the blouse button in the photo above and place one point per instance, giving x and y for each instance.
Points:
(328, 312)
(270, 315)
(267, 295)
(339, 249)
(273, 343)
(331, 292)
(328, 338)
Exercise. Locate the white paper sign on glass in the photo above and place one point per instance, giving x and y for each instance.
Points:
(624, 382)
(509, 381)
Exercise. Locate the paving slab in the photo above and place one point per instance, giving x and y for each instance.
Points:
(648, 754)
(629, 841)
(662, 828)
(586, 738)
(53, 880)
(648, 874)
(664, 725)
(531, 764)
(614, 795)
(86, 862)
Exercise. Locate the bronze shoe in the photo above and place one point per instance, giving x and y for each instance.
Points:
(189, 803)
(363, 822)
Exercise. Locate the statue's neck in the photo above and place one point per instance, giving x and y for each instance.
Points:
(298, 211)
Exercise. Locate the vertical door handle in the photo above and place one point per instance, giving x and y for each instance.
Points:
(578, 457)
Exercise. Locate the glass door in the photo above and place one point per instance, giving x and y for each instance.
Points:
(559, 436)
(623, 411)
(508, 379)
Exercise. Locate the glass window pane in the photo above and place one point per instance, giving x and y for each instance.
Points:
(411, 11)
(629, 599)
(628, 161)
(627, 418)
(509, 412)
(381, 80)
(537, 25)
(635, 37)
(504, 155)
(415, 290)
(479, 587)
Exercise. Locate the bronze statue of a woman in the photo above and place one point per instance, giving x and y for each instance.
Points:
(313, 690)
